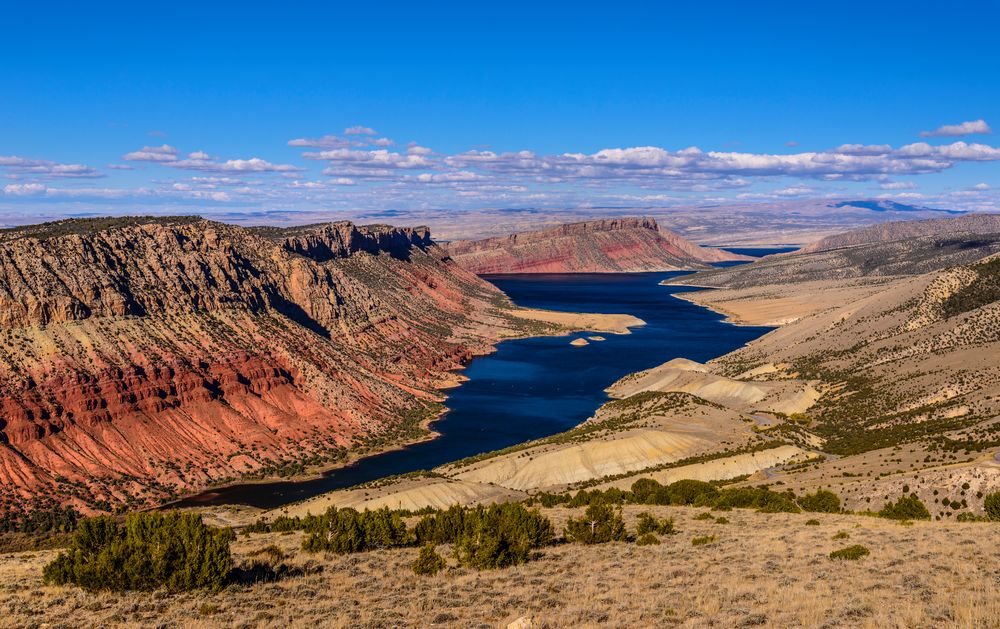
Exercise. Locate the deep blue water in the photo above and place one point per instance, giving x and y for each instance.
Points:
(536, 387)
(759, 252)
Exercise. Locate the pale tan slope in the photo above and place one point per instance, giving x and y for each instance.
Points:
(580, 462)
(405, 493)
(781, 304)
(686, 376)
(721, 469)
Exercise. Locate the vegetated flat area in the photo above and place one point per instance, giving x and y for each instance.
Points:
(763, 570)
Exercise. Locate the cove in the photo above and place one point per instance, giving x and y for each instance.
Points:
(535, 387)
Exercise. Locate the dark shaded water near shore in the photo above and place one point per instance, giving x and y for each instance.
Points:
(532, 388)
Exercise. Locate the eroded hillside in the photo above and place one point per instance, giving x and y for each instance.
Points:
(141, 357)
(605, 246)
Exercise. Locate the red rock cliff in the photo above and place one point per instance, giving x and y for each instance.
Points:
(140, 357)
(611, 245)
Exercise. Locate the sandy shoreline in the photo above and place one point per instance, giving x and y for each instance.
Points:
(582, 322)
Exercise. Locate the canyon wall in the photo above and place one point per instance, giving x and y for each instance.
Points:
(603, 246)
(140, 358)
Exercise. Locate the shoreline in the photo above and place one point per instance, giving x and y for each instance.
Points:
(730, 317)
(569, 322)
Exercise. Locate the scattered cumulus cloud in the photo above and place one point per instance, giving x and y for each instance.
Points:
(23, 189)
(164, 153)
(897, 185)
(326, 141)
(359, 130)
(971, 127)
(22, 166)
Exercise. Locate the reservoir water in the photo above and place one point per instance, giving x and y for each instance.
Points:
(534, 387)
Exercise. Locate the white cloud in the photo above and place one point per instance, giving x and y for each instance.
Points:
(45, 168)
(981, 186)
(450, 177)
(377, 163)
(23, 189)
(897, 185)
(164, 153)
(863, 149)
(955, 130)
(359, 130)
(327, 141)
(382, 142)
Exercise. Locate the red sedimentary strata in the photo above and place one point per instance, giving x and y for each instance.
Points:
(612, 245)
(141, 357)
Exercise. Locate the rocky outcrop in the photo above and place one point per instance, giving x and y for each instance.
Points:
(142, 357)
(900, 230)
(604, 246)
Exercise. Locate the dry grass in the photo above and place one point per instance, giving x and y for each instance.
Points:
(765, 569)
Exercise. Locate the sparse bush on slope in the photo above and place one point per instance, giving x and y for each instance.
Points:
(851, 553)
(649, 524)
(599, 524)
(822, 501)
(429, 561)
(908, 507)
(501, 535)
(173, 550)
(991, 504)
(349, 531)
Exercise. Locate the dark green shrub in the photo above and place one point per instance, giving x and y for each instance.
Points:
(703, 540)
(812, 522)
(647, 539)
(173, 550)
(841, 535)
(551, 500)
(705, 515)
(722, 520)
(443, 527)
(599, 524)
(584, 497)
(501, 535)
(822, 501)
(280, 524)
(851, 553)
(991, 504)
(345, 531)
(649, 524)
(971, 517)
(429, 561)
(760, 498)
(687, 492)
(647, 491)
(908, 507)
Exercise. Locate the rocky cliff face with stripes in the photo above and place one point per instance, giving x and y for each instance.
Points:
(140, 358)
(602, 246)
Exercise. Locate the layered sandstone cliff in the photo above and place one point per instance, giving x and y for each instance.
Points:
(142, 357)
(604, 246)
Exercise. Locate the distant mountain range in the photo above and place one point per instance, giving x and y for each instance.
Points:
(885, 205)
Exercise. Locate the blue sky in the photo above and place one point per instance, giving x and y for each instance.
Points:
(211, 108)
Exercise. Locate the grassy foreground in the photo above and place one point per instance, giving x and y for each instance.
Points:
(762, 570)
